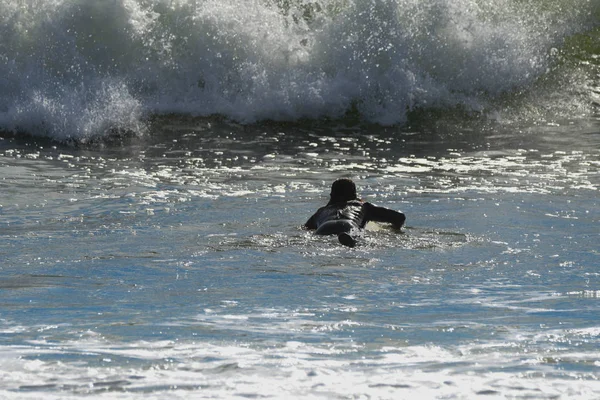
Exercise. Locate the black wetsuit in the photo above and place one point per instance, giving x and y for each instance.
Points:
(345, 216)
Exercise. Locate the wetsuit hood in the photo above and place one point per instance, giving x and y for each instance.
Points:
(342, 190)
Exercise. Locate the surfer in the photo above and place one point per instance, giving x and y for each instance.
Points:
(346, 214)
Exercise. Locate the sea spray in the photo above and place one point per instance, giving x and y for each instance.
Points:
(78, 70)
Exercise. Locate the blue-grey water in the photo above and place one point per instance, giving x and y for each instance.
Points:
(178, 268)
(158, 159)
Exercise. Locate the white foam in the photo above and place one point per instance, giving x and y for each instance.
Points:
(292, 369)
(73, 69)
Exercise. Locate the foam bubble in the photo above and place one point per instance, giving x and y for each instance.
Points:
(72, 69)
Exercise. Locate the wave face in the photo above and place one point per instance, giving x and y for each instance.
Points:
(77, 69)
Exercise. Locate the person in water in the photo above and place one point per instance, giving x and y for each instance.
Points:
(346, 214)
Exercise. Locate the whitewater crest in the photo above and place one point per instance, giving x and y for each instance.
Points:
(73, 69)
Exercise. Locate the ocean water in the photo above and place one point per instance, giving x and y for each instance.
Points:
(158, 158)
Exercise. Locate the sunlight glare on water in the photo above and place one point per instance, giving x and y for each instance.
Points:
(489, 290)
(158, 159)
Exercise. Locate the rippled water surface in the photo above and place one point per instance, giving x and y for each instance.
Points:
(174, 265)
(158, 159)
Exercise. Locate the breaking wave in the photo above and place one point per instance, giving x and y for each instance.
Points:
(75, 69)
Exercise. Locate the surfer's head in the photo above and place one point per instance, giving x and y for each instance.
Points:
(342, 190)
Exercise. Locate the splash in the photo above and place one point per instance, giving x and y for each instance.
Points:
(72, 69)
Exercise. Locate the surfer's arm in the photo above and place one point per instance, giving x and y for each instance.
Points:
(312, 221)
(382, 214)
